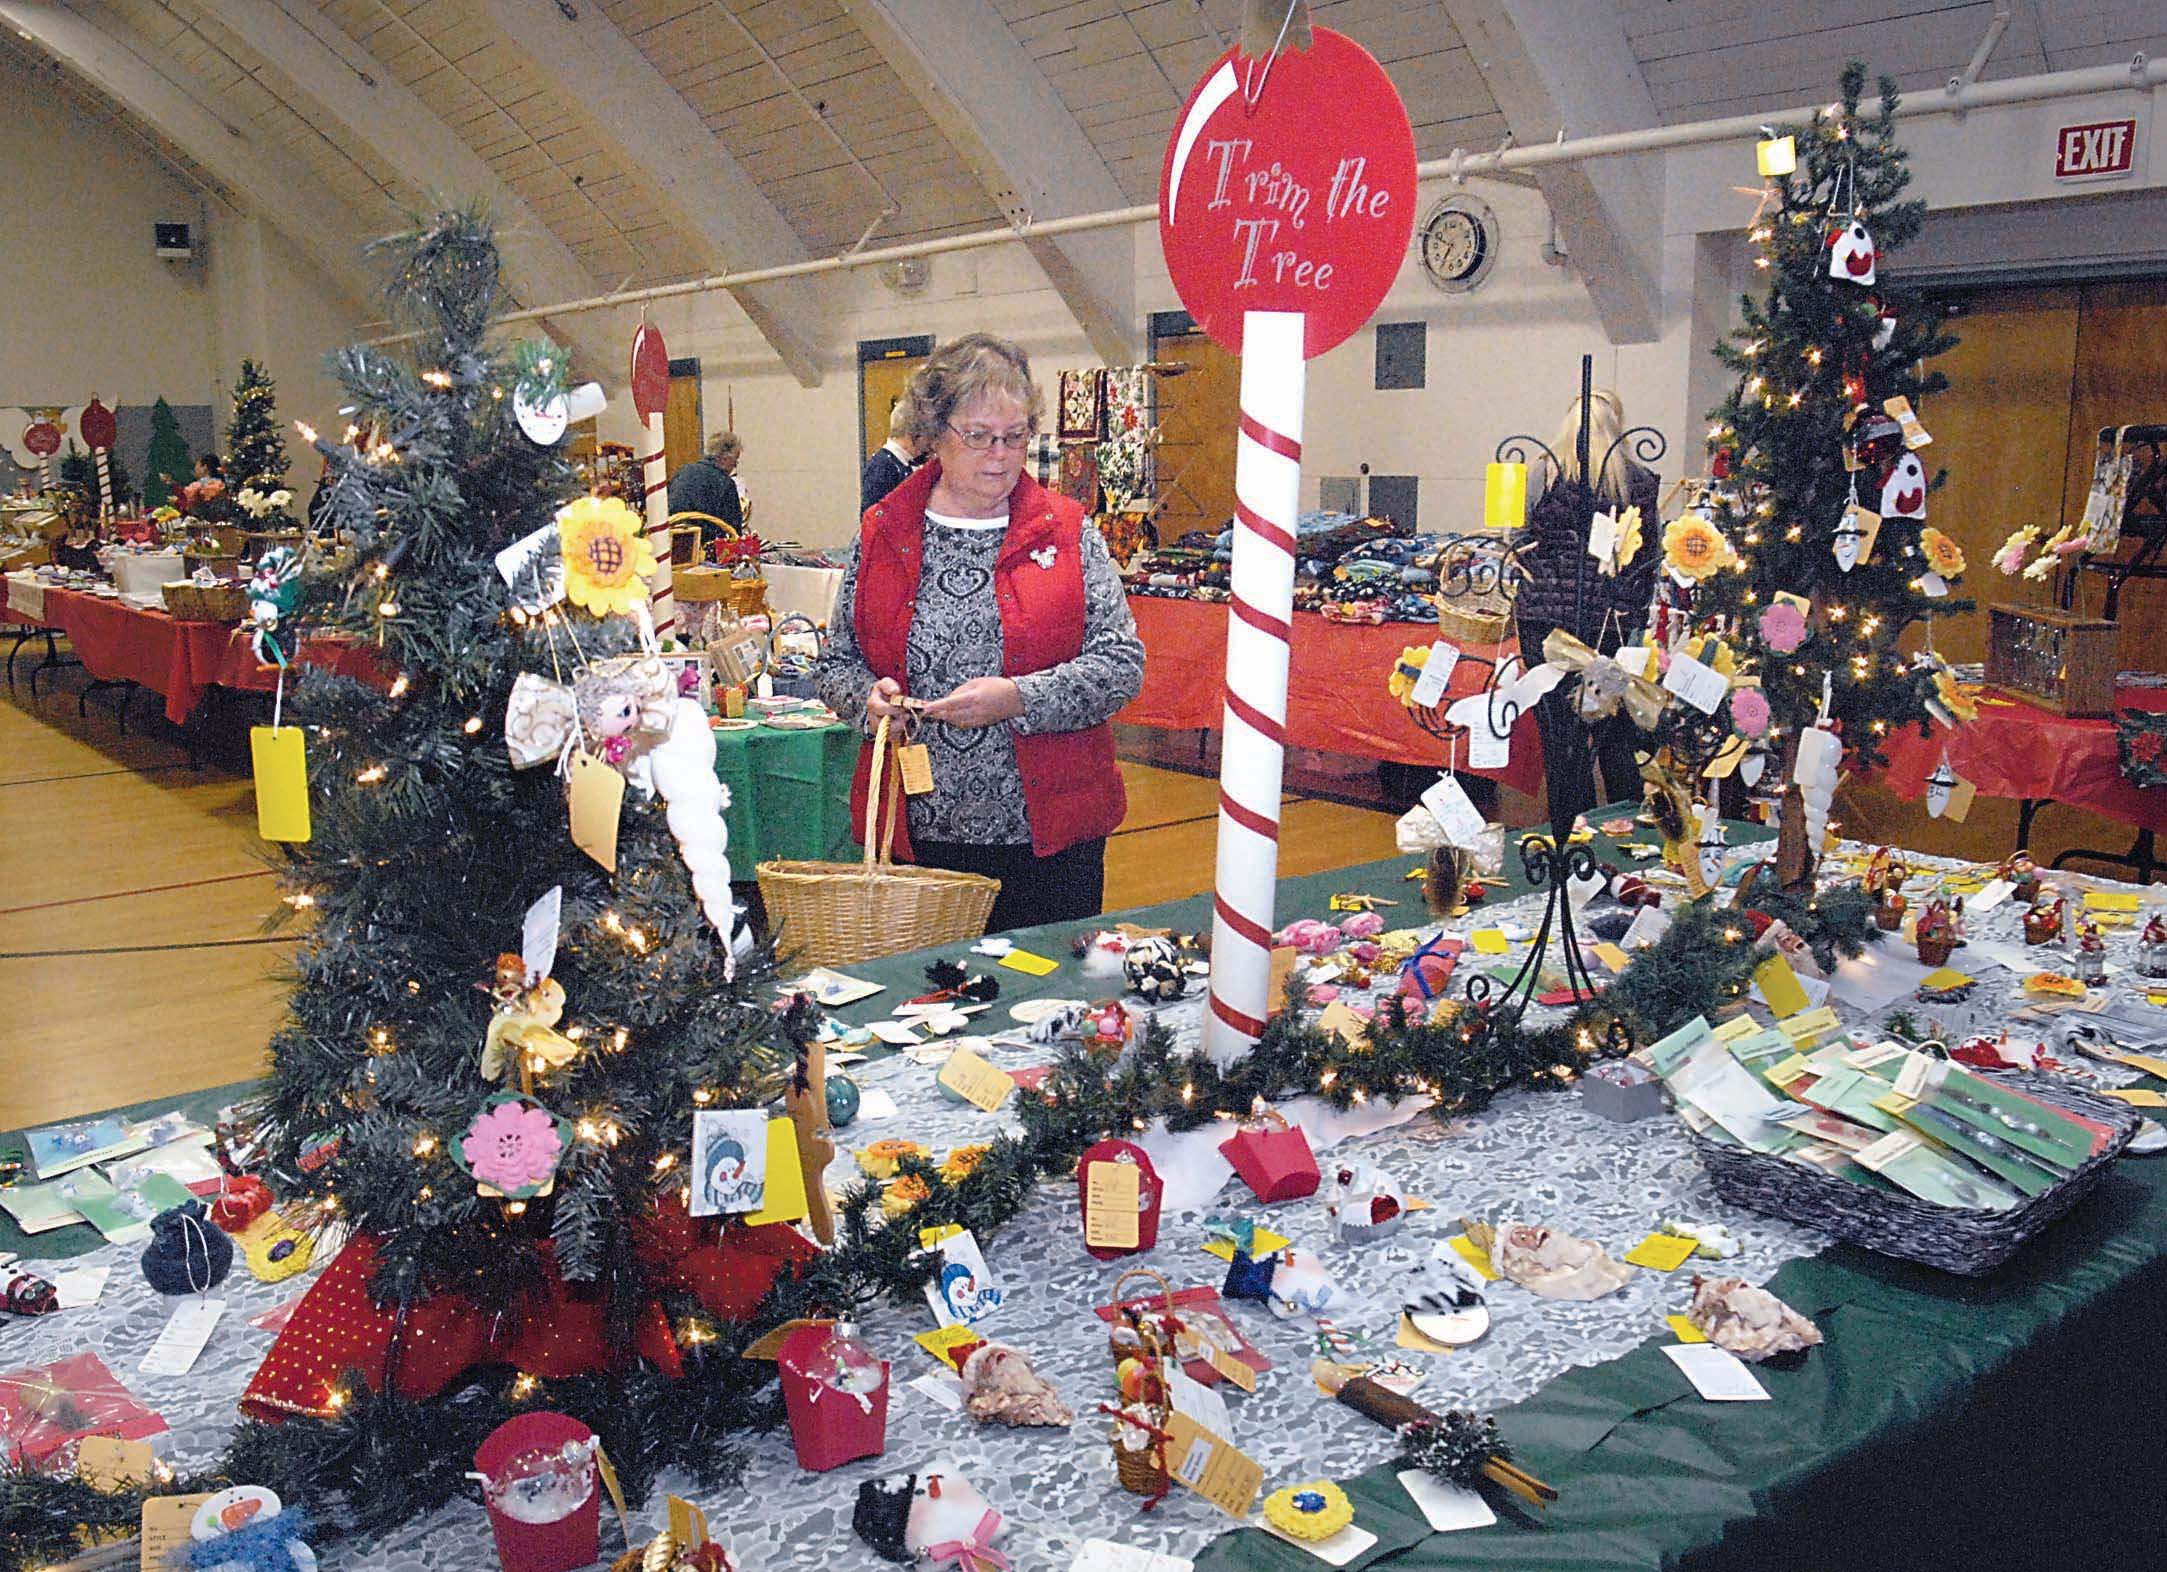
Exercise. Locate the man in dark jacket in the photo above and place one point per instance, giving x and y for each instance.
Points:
(709, 485)
(892, 461)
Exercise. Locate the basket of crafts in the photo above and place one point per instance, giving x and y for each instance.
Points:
(1141, 1344)
(2010, 1142)
(789, 662)
(835, 913)
(1476, 579)
(190, 600)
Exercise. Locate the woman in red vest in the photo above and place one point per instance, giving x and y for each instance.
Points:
(975, 589)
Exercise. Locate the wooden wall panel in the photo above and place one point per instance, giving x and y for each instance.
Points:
(1198, 412)
(2120, 379)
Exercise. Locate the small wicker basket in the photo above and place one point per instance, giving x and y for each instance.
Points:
(700, 584)
(1968, 1243)
(834, 913)
(187, 601)
(1140, 1443)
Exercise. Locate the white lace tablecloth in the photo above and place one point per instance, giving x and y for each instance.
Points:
(1531, 1157)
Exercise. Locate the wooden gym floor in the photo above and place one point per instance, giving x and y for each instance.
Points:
(133, 893)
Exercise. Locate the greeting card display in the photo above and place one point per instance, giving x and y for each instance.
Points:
(539, 1479)
(1273, 1158)
(835, 1390)
(1121, 1193)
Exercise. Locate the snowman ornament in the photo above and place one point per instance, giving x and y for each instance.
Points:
(1851, 253)
(1903, 488)
(246, 1529)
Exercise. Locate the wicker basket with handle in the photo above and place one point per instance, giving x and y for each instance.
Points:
(834, 913)
(187, 601)
(1139, 1439)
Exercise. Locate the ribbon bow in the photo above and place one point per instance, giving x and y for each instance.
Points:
(1605, 683)
(975, 1554)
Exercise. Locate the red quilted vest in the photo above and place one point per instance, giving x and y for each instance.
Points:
(1071, 786)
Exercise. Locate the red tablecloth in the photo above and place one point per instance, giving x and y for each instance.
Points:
(1336, 697)
(2018, 750)
(120, 643)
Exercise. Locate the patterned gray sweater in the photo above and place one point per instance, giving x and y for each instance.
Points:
(955, 635)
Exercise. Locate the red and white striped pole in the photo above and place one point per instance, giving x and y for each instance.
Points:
(1267, 493)
(650, 393)
(99, 429)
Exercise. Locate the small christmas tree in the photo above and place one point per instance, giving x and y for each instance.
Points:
(167, 466)
(1809, 552)
(255, 446)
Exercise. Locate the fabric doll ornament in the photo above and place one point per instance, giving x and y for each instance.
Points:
(1001, 1387)
(882, 1516)
(1554, 1264)
(188, 1254)
(1153, 969)
(622, 697)
(1903, 488)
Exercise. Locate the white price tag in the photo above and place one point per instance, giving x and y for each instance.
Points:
(1447, 800)
(1700, 685)
(1486, 751)
(1436, 676)
(1603, 536)
(183, 1338)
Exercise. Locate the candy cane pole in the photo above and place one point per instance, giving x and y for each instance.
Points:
(105, 486)
(1267, 491)
(650, 392)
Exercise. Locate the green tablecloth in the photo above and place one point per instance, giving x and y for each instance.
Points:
(789, 794)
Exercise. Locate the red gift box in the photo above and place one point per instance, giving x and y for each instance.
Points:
(830, 1425)
(1149, 1192)
(45, 1411)
(1274, 1160)
(543, 1491)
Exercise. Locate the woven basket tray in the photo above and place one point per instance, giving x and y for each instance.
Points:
(1968, 1243)
(189, 602)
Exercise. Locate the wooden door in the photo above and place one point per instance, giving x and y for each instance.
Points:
(2120, 380)
(1198, 411)
(2001, 431)
(881, 384)
(683, 437)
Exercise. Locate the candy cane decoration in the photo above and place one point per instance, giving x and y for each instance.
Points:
(1267, 492)
(100, 430)
(650, 393)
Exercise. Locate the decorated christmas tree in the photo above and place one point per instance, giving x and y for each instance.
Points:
(168, 456)
(1809, 553)
(255, 445)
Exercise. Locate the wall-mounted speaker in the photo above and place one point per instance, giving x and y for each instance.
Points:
(173, 241)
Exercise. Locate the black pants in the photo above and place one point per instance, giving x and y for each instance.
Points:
(1571, 751)
(1069, 886)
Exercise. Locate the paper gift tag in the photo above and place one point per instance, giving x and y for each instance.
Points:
(1450, 805)
(1899, 410)
(729, 1161)
(948, 1344)
(1337, 1550)
(182, 1338)
(1717, 1374)
(281, 768)
(1856, 533)
(1699, 684)
(108, 1462)
(1489, 941)
(168, 1522)
(915, 763)
(1778, 984)
(1115, 1197)
(1610, 955)
(598, 797)
(1212, 1466)
(1436, 678)
(1474, 1255)
(975, 1081)
(1340, 1020)
(1261, 1244)
(1603, 535)
(1285, 958)
(784, 1201)
(1661, 1252)
(964, 1290)
(1486, 750)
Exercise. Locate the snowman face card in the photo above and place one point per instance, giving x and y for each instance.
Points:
(729, 1161)
(963, 1292)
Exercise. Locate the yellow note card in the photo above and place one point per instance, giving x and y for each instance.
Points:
(930, 1238)
(1261, 1244)
(107, 1462)
(1736, 1027)
(1685, 1330)
(1489, 941)
(1230, 1367)
(943, 1341)
(598, 798)
(1474, 1255)
(1779, 985)
(768, 1345)
(2111, 900)
(1031, 965)
(1784, 1073)
(1661, 1252)
(1611, 956)
(1945, 977)
(2139, 1097)
(2156, 1068)
(785, 1200)
(1213, 1467)
(281, 768)
(1341, 1021)
(1111, 1202)
(975, 1081)
(1808, 1029)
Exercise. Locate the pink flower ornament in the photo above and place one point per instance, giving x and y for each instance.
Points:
(1783, 628)
(1749, 711)
(513, 1146)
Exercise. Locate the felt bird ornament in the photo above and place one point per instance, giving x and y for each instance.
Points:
(522, 1029)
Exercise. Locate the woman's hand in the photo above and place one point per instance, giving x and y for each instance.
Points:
(983, 701)
(882, 701)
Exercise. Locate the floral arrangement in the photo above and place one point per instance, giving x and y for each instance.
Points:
(263, 504)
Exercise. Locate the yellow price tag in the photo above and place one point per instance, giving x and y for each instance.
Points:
(281, 769)
(975, 1081)
(598, 798)
(1030, 965)
(1111, 1205)
(1661, 1252)
(785, 1199)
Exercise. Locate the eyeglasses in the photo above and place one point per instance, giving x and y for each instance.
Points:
(978, 440)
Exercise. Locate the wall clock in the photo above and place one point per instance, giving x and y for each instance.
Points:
(1459, 241)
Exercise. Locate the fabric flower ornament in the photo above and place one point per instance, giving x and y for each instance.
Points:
(1749, 711)
(1407, 671)
(1783, 627)
(1313, 1511)
(2009, 556)
(963, 1161)
(1695, 549)
(1630, 536)
(512, 1147)
(606, 558)
(1943, 555)
(1953, 697)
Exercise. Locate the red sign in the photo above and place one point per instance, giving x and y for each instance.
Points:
(2097, 151)
(42, 437)
(1289, 185)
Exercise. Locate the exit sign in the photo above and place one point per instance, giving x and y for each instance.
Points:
(2100, 150)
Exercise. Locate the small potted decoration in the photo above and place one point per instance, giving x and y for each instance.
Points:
(538, 1477)
(2022, 874)
(2043, 923)
(2091, 964)
(835, 1390)
(2152, 948)
(1936, 934)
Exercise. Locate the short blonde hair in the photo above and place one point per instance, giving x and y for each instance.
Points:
(964, 369)
(725, 444)
(899, 419)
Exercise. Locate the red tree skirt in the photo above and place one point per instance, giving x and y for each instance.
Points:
(339, 1327)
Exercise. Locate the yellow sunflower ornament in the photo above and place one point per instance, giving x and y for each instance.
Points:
(1694, 549)
(1943, 555)
(607, 562)
(1407, 671)
(1314, 1510)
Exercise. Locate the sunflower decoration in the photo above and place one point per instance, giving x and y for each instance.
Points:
(1952, 695)
(962, 1162)
(1943, 555)
(607, 561)
(1713, 653)
(1695, 549)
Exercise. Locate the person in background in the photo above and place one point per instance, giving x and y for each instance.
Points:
(891, 462)
(975, 588)
(1563, 589)
(709, 485)
(205, 490)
